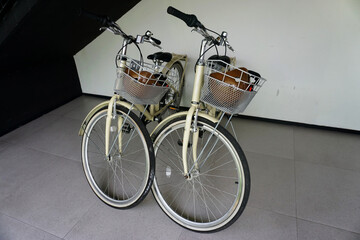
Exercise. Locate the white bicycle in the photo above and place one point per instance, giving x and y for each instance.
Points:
(117, 151)
(202, 179)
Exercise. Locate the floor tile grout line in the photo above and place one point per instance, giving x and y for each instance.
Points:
(267, 210)
(54, 154)
(28, 182)
(301, 161)
(303, 219)
(66, 111)
(28, 224)
(327, 166)
(267, 154)
(42, 151)
(321, 165)
(325, 225)
(73, 227)
(58, 118)
(181, 232)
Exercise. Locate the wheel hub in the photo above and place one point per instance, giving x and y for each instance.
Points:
(112, 158)
(193, 174)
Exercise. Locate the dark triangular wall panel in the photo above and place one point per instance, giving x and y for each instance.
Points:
(37, 44)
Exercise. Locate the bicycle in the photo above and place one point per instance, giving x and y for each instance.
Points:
(202, 179)
(117, 151)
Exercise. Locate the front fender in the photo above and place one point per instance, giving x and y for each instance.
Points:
(184, 113)
(97, 108)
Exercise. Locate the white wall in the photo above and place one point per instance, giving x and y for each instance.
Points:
(308, 50)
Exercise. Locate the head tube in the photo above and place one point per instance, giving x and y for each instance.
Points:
(201, 60)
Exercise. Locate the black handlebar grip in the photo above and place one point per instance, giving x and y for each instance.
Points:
(157, 41)
(101, 19)
(190, 19)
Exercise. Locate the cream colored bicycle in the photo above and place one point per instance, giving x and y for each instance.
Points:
(117, 152)
(202, 179)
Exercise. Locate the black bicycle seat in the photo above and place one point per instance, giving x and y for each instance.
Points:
(223, 58)
(162, 56)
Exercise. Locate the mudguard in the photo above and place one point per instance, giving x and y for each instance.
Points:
(101, 106)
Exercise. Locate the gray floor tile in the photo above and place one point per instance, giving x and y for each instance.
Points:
(18, 165)
(314, 231)
(60, 138)
(329, 196)
(264, 137)
(145, 221)
(4, 145)
(82, 104)
(272, 183)
(254, 224)
(29, 128)
(330, 148)
(54, 201)
(86, 104)
(11, 229)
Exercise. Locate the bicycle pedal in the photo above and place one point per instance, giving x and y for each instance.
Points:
(180, 143)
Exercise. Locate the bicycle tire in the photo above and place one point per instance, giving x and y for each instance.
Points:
(123, 179)
(200, 204)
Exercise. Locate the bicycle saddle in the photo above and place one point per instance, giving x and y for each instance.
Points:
(222, 58)
(162, 56)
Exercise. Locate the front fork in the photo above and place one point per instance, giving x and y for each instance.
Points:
(195, 101)
(189, 127)
(111, 114)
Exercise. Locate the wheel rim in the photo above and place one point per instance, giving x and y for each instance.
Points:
(174, 75)
(214, 204)
(118, 180)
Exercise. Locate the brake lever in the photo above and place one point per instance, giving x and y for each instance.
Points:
(153, 43)
(203, 33)
(229, 46)
(148, 38)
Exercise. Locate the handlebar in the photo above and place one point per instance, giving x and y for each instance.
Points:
(103, 20)
(192, 21)
(108, 24)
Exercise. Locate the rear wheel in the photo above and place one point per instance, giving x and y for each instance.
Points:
(174, 75)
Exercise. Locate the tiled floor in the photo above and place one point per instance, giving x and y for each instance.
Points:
(305, 185)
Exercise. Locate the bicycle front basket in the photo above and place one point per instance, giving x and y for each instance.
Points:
(140, 83)
(230, 90)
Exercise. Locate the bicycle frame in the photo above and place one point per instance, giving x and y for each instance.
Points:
(193, 112)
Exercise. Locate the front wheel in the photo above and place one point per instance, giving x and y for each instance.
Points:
(124, 177)
(215, 192)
